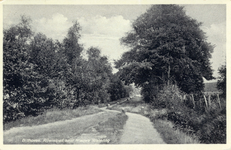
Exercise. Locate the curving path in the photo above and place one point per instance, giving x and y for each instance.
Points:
(55, 133)
(137, 130)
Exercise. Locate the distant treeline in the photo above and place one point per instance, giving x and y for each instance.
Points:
(211, 87)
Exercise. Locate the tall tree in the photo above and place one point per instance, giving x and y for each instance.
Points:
(16, 67)
(15, 54)
(99, 73)
(46, 63)
(74, 74)
(71, 44)
(166, 46)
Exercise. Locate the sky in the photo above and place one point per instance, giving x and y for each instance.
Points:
(104, 25)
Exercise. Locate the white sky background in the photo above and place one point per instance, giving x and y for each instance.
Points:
(103, 25)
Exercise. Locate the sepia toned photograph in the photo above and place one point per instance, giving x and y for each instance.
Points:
(114, 74)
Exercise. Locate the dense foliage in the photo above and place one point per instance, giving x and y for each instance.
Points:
(196, 115)
(40, 73)
(166, 46)
(221, 84)
(117, 89)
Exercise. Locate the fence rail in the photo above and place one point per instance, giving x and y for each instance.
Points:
(208, 101)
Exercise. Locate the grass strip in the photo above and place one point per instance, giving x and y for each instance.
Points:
(112, 128)
(171, 135)
(52, 115)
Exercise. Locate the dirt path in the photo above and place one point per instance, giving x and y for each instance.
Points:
(57, 133)
(139, 130)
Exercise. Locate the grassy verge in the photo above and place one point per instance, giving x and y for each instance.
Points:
(112, 128)
(196, 115)
(172, 135)
(52, 115)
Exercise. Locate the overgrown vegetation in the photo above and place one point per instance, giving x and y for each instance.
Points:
(173, 135)
(221, 84)
(40, 73)
(195, 115)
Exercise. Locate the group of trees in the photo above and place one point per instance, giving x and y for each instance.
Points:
(39, 73)
(166, 47)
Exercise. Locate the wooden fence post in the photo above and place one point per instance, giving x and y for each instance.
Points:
(206, 102)
(184, 98)
(218, 99)
(209, 100)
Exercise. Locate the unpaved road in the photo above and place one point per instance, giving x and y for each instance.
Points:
(139, 130)
(56, 133)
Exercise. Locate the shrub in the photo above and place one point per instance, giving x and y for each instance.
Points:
(191, 114)
(221, 84)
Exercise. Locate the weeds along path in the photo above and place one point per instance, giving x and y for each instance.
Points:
(139, 130)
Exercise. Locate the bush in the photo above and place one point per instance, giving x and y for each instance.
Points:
(149, 93)
(221, 84)
(191, 115)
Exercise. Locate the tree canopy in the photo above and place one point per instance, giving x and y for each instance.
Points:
(166, 46)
